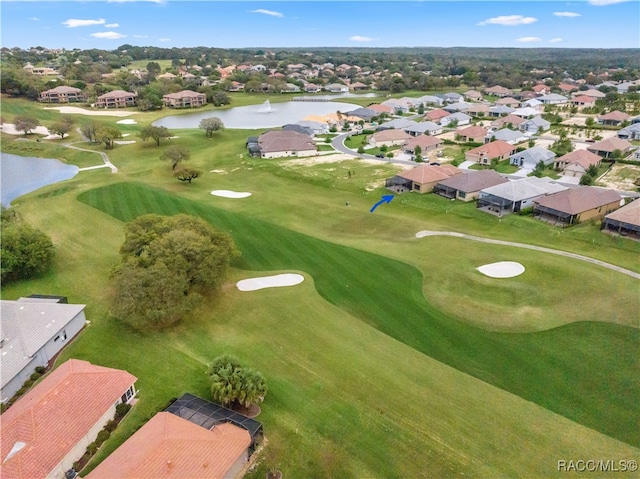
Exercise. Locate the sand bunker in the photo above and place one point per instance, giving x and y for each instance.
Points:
(230, 194)
(279, 280)
(502, 269)
(128, 121)
(10, 129)
(125, 142)
(82, 111)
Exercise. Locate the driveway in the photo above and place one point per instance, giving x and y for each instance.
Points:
(338, 144)
(466, 164)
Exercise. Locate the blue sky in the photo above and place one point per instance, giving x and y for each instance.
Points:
(446, 23)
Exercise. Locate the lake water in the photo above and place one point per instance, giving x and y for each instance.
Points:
(20, 175)
(258, 116)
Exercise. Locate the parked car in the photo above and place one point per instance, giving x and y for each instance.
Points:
(380, 155)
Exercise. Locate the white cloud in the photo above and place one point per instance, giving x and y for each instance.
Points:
(604, 3)
(35, 19)
(164, 39)
(74, 22)
(360, 38)
(108, 35)
(267, 12)
(111, 25)
(509, 20)
(556, 40)
(528, 39)
(567, 14)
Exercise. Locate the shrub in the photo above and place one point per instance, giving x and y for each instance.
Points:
(102, 437)
(122, 409)
(526, 211)
(111, 425)
(35, 376)
(41, 369)
(92, 449)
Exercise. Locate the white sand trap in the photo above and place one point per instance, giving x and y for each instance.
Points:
(10, 129)
(128, 121)
(502, 269)
(279, 280)
(82, 111)
(230, 194)
(126, 142)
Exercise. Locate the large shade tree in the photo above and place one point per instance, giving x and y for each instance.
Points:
(157, 133)
(25, 251)
(211, 125)
(167, 262)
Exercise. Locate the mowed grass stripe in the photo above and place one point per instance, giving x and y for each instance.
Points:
(584, 371)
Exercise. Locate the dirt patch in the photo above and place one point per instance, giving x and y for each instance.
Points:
(621, 177)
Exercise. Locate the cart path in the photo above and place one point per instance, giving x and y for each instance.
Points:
(105, 159)
(633, 274)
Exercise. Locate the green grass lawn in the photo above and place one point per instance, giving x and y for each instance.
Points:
(528, 365)
(395, 357)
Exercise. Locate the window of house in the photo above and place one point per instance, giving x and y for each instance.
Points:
(127, 395)
(61, 337)
(462, 194)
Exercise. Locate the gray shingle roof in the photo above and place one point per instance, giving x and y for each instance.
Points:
(524, 189)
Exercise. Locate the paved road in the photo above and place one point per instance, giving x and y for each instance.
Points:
(610, 266)
(338, 144)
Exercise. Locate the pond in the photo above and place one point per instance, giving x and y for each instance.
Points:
(20, 175)
(259, 116)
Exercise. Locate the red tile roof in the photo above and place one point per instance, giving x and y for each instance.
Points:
(117, 94)
(494, 149)
(578, 200)
(510, 118)
(55, 415)
(169, 446)
(583, 99)
(380, 108)
(582, 157)
(424, 141)
(472, 131)
(184, 94)
(437, 114)
(615, 116)
(610, 145)
(473, 181)
(497, 89)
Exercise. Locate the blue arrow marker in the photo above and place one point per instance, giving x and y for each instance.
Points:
(385, 199)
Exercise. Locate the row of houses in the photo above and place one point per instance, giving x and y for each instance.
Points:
(47, 429)
(121, 98)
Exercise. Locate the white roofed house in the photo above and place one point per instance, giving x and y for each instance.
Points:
(457, 119)
(424, 128)
(553, 99)
(505, 134)
(515, 195)
(32, 332)
(184, 99)
(530, 157)
(336, 88)
(631, 132)
(534, 125)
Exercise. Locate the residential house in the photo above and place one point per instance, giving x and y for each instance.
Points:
(515, 195)
(316, 127)
(184, 99)
(567, 88)
(366, 114)
(553, 99)
(534, 125)
(613, 118)
(530, 157)
(498, 150)
(533, 103)
(582, 101)
(631, 132)
(424, 128)
(397, 105)
(508, 101)
(236, 86)
(436, 115)
(593, 93)
(50, 427)
(576, 205)
(576, 163)
(605, 148)
(477, 110)
(455, 119)
(358, 86)
(312, 88)
(526, 112)
(541, 89)
(166, 76)
(624, 86)
(381, 108)
(452, 97)
(467, 186)
(397, 123)
(278, 144)
(472, 95)
(258, 68)
(62, 94)
(500, 110)
(336, 88)
(507, 135)
(32, 332)
(457, 106)
(508, 121)
(169, 445)
(117, 99)
(420, 179)
(431, 100)
(625, 221)
(474, 134)
(498, 91)
(389, 138)
(426, 143)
